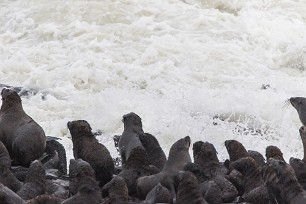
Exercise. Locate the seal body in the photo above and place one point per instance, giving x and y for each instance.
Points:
(235, 150)
(299, 103)
(130, 136)
(188, 191)
(22, 136)
(87, 147)
(280, 176)
(178, 157)
(115, 191)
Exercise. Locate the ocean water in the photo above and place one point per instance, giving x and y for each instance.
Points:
(211, 69)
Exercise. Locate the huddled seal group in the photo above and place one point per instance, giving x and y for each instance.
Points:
(33, 167)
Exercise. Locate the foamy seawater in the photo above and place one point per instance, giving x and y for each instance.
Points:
(175, 63)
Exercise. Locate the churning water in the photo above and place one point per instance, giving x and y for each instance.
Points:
(210, 69)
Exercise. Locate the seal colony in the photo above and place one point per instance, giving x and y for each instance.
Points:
(33, 167)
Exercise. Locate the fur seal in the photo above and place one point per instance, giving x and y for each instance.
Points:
(299, 103)
(252, 180)
(35, 183)
(87, 147)
(24, 139)
(5, 158)
(155, 153)
(130, 136)
(135, 167)
(116, 191)
(188, 191)
(302, 132)
(78, 170)
(89, 192)
(260, 160)
(158, 194)
(274, 152)
(7, 196)
(178, 157)
(235, 150)
(280, 177)
(205, 155)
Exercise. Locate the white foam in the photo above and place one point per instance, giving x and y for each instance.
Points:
(175, 63)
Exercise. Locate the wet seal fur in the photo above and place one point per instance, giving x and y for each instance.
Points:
(35, 183)
(280, 176)
(159, 194)
(299, 103)
(79, 170)
(115, 191)
(89, 192)
(130, 136)
(24, 139)
(178, 157)
(87, 147)
(255, 190)
(135, 167)
(235, 150)
(205, 155)
(274, 152)
(299, 165)
(188, 190)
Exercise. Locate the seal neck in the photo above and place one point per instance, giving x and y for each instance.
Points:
(11, 106)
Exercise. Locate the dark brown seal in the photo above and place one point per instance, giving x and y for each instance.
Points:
(274, 152)
(87, 147)
(299, 103)
(115, 191)
(252, 180)
(280, 176)
(23, 137)
(302, 131)
(188, 191)
(178, 157)
(130, 136)
(155, 153)
(158, 194)
(89, 192)
(205, 155)
(259, 158)
(79, 170)
(35, 183)
(235, 150)
(135, 167)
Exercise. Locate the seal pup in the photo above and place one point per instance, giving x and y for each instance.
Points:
(35, 183)
(130, 136)
(135, 167)
(274, 152)
(260, 160)
(255, 190)
(115, 191)
(7, 196)
(87, 147)
(299, 103)
(178, 157)
(205, 155)
(24, 139)
(89, 192)
(235, 150)
(188, 190)
(280, 176)
(79, 170)
(155, 153)
(159, 194)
